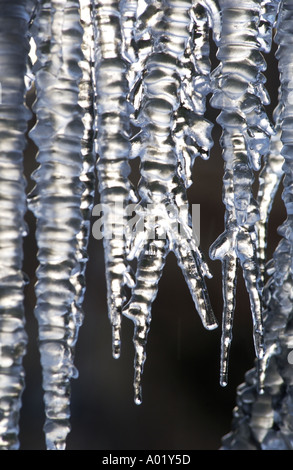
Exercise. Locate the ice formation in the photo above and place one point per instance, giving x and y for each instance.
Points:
(172, 134)
(14, 22)
(113, 147)
(264, 421)
(239, 92)
(115, 80)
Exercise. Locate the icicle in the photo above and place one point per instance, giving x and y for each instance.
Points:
(267, 18)
(128, 9)
(214, 12)
(269, 180)
(149, 271)
(14, 116)
(167, 150)
(56, 203)
(285, 58)
(113, 148)
(191, 131)
(87, 176)
(240, 94)
(271, 173)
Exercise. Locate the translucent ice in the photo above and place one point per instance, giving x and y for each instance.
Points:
(265, 423)
(173, 132)
(13, 125)
(57, 203)
(238, 90)
(113, 147)
(116, 80)
(269, 180)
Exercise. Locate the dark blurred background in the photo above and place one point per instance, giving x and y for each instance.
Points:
(183, 406)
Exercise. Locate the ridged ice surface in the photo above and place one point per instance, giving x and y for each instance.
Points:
(169, 100)
(240, 94)
(87, 173)
(264, 422)
(269, 181)
(56, 203)
(13, 125)
(119, 80)
(113, 147)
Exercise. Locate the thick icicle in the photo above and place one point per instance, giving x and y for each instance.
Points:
(240, 94)
(14, 19)
(264, 421)
(56, 202)
(113, 148)
(173, 133)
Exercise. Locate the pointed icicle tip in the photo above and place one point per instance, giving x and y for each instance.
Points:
(138, 396)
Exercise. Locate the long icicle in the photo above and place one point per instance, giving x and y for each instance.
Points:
(14, 115)
(240, 94)
(165, 174)
(56, 202)
(271, 172)
(113, 148)
(87, 176)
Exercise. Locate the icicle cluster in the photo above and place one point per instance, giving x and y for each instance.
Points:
(151, 82)
(115, 80)
(169, 97)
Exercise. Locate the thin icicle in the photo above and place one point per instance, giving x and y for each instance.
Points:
(284, 252)
(213, 10)
(269, 181)
(56, 202)
(148, 274)
(239, 92)
(113, 148)
(14, 116)
(191, 131)
(87, 176)
(271, 173)
(165, 108)
(267, 18)
(128, 9)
